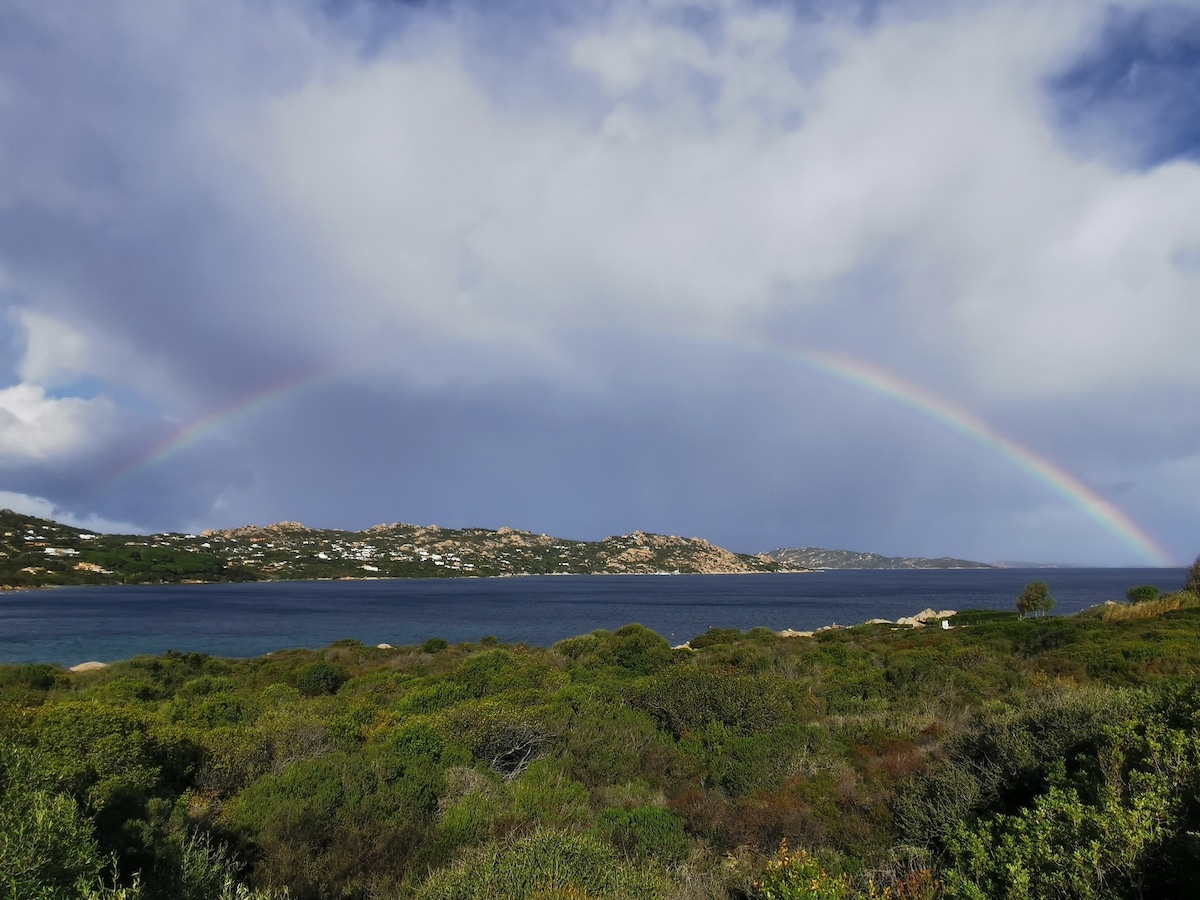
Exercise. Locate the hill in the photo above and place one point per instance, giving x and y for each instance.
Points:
(817, 558)
(36, 552)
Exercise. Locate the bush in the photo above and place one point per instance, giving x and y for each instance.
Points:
(715, 637)
(798, 875)
(38, 676)
(46, 846)
(1142, 593)
(638, 650)
(688, 699)
(548, 863)
(647, 832)
(504, 736)
(1110, 818)
(319, 678)
(435, 645)
(1004, 761)
(547, 797)
(578, 647)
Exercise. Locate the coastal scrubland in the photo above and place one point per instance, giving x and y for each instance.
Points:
(1002, 757)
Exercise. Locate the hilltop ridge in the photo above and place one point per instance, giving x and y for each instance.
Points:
(37, 552)
(818, 558)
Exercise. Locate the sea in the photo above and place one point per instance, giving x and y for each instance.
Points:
(68, 626)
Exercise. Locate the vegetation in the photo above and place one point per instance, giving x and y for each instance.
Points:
(1142, 593)
(1003, 757)
(1035, 599)
(37, 552)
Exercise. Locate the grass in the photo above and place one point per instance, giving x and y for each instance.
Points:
(1149, 609)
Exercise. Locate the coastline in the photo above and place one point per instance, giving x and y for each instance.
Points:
(920, 620)
(406, 578)
(238, 621)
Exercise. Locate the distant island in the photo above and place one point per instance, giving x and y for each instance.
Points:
(39, 552)
(817, 558)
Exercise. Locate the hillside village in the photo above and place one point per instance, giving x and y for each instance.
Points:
(36, 552)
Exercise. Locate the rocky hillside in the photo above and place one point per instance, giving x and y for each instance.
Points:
(817, 558)
(37, 552)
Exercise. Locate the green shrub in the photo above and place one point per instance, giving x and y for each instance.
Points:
(435, 645)
(319, 678)
(504, 736)
(232, 758)
(689, 698)
(431, 698)
(578, 647)
(646, 832)
(1004, 760)
(637, 650)
(545, 864)
(47, 847)
(491, 672)
(1142, 593)
(38, 677)
(798, 875)
(715, 637)
(466, 821)
(607, 742)
(546, 796)
(1115, 821)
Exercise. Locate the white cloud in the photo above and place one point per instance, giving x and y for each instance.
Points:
(54, 351)
(43, 509)
(715, 181)
(34, 426)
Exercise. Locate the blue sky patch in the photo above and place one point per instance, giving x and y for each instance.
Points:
(1136, 93)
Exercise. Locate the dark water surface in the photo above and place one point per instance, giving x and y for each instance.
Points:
(71, 625)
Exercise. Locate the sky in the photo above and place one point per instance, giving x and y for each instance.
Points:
(917, 277)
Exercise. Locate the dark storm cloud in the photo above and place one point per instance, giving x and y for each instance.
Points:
(113, 218)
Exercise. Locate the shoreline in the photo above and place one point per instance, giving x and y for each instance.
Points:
(167, 584)
(919, 620)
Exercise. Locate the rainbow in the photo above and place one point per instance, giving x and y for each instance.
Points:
(841, 367)
(198, 429)
(885, 384)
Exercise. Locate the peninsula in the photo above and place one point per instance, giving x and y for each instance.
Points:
(818, 558)
(39, 552)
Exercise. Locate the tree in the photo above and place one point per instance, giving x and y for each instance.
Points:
(1035, 599)
(1193, 582)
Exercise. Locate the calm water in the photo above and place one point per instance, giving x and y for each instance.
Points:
(72, 625)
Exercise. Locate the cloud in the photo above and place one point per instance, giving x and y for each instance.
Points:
(54, 351)
(44, 509)
(530, 233)
(34, 426)
(710, 185)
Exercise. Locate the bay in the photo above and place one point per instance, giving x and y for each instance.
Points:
(72, 625)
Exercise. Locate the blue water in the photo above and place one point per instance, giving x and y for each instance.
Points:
(72, 625)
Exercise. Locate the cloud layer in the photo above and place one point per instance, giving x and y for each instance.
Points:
(551, 267)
